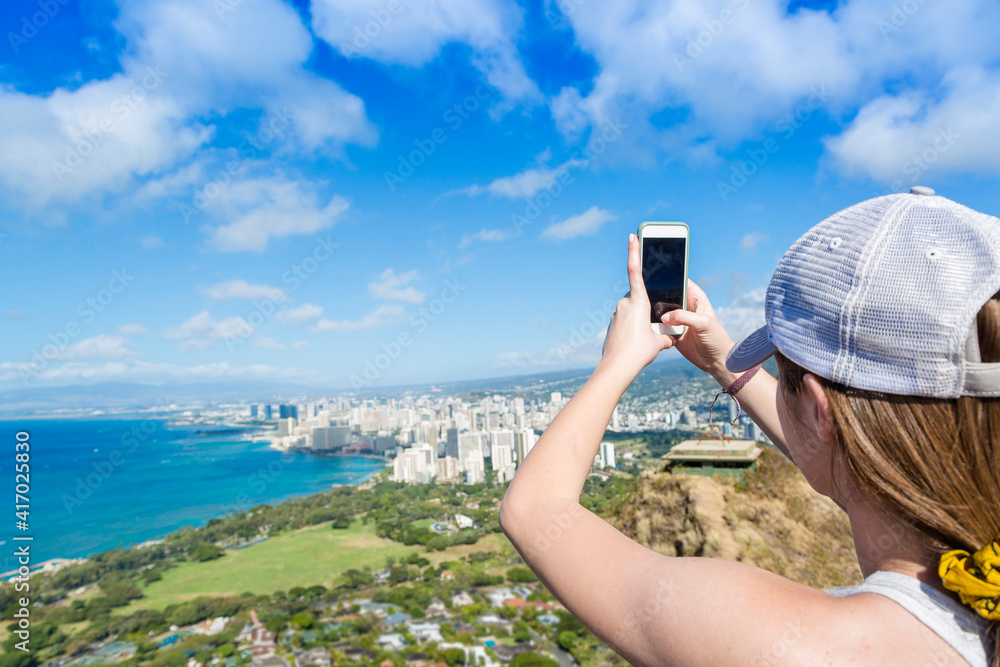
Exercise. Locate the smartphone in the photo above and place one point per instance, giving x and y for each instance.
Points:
(663, 247)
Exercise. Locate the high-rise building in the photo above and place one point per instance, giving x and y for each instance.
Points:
(384, 443)
(286, 426)
(415, 465)
(268, 413)
(451, 443)
(329, 438)
(475, 468)
(607, 455)
(253, 411)
(447, 469)
(470, 444)
(524, 439)
(502, 455)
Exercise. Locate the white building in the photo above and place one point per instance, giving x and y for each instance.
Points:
(607, 455)
(416, 465)
(525, 439)
(502, 454)
(447, 469)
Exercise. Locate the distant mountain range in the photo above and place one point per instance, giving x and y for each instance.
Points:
(121, 396)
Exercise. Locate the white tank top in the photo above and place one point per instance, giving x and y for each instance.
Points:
(962, 628)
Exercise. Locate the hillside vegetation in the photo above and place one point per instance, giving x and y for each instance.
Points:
(772, 519)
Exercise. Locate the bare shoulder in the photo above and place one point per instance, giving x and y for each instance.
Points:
(745, 615)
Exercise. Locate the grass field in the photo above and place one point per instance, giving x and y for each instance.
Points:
(313, 555)
(305, 557)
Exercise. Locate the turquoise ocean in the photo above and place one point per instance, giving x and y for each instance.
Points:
(99, 483)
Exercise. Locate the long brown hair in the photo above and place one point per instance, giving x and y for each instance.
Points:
(933, 461)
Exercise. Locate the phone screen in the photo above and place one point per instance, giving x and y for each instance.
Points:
(663, 273)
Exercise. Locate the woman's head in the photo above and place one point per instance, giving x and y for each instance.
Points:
(933, 461)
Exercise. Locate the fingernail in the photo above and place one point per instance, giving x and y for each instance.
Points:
(631, 237)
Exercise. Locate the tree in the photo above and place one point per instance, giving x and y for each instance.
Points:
(303, 620)
(452, 656)
(532, 659)
(204, 552)
(565, 640)
(519, 575)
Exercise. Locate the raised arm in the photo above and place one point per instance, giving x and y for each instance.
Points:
(652, 609)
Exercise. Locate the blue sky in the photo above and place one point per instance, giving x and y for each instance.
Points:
(367, 193)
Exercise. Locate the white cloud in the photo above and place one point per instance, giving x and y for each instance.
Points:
(392, 287)
(486, 236)
(575, 352)
(385, 314)
(750, 241)
(150, 373)
(98, 347)
(694, 79)
(180, 65)
(307, 313)
(14, 315)
(523, 185)
(151, 242)
(241, 289)
(415, 34)
(269, 208)
(744, 314)
(300, 344)
(132, 329)
(267, 343)
(588, 222)
(201, 331)
(900, 138)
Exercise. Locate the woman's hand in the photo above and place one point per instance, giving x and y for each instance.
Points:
(706, 342)
(631, 343)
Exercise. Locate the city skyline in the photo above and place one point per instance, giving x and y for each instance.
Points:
(366, 195)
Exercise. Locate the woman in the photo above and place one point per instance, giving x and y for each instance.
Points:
(885, 320)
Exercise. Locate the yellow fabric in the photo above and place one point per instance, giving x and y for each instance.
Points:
(975, 578)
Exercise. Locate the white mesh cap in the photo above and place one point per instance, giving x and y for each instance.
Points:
(883, 296)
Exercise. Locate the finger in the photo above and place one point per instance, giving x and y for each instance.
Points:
(637, 289)
(697, 298)
(687, 318)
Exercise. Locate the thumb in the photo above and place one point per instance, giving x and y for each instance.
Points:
(687, 318)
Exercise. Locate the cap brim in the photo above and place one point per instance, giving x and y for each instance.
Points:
(752, 350)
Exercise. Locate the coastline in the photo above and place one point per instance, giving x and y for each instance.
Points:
(55, 563)
(115, 482)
